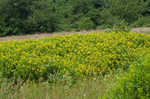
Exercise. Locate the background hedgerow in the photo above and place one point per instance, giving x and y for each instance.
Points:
(19, 17)
(76, 55)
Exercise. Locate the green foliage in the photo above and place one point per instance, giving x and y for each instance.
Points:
(12, 16)
(142, 21)
(129, 10)
(135, 84)
(31, 16)
(26, 16)
(84, 23)
(117, 11)
(122, 26)
(82, 89)
(76, 55)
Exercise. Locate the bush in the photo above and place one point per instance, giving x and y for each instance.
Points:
(135, 84)
(84, 24)
(122, 26)
(77, 55)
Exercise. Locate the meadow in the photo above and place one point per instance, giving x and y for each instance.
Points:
(76, 66)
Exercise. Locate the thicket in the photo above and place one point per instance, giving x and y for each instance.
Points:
(32, 16)
(74, 55)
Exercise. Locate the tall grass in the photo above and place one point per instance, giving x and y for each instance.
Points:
(82, 89)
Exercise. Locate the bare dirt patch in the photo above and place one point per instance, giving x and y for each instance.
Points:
(42, 35)
(141, 30)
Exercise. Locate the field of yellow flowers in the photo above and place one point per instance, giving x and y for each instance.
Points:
(79, 55)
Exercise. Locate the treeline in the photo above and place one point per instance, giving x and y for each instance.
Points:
(32, 16)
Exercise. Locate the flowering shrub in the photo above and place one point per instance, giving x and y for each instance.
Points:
(77, 54)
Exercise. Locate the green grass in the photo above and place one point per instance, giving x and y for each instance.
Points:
(82, 89)
(135, 84)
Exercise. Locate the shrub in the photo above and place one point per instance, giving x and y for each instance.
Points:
(135, 84)
(84, 24)
(77, 55)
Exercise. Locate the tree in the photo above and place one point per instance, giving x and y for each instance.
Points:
(128, 10)
(13, 13)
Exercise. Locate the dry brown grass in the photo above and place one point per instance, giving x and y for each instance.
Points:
(42, 35)
(141, 30)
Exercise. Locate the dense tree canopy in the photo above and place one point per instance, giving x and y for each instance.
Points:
(31, 16)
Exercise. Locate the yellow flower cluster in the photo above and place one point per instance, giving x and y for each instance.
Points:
(80, 54)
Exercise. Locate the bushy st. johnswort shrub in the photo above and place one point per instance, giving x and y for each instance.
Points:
(76, 55)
